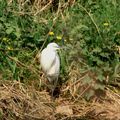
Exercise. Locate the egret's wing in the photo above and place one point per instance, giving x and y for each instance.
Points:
(55, 67)
(47, 59)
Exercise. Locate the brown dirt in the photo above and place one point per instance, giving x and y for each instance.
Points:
(19, 102)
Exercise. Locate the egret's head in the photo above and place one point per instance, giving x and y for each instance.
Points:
(53, 46)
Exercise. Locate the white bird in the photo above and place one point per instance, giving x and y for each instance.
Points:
(50, 63)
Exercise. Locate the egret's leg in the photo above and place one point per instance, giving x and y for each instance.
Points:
(54, 85)
(51, 86)
(53, 81)
(52, 93)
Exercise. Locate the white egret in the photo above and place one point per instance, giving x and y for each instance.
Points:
(50, 63)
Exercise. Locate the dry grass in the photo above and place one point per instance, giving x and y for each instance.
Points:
(20, 102)
(39, 6)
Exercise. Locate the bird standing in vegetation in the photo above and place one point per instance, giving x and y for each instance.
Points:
(50, 63)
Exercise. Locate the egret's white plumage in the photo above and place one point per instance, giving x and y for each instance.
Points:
(50, 63)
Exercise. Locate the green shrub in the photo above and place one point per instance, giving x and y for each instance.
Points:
(90, 30)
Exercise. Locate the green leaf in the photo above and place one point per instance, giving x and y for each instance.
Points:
(17, 33)
(9, 30)
(87, 80)
(99, 62)
(97, 49)
(1, 26)
(100, 77)
(99, 86)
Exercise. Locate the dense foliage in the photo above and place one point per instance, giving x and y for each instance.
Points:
(90, 30)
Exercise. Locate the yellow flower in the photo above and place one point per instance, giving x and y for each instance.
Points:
(51, 33)
(9, 48)
(59, 37)
(65, 40)
(118, 48)
(105, 24)
(5, 39)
